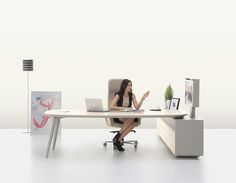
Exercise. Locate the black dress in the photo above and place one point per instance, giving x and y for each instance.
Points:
(119, 104)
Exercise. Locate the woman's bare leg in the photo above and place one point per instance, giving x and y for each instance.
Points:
(129, 128)
(126, 123)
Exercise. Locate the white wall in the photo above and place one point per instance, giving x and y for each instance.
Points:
(78, 45)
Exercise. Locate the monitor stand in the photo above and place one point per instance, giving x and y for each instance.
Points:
(192, 112)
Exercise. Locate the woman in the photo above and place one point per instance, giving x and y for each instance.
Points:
(123, 101)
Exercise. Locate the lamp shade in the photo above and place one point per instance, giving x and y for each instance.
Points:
(28, 65)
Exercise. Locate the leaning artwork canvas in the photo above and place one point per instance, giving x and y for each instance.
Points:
(42, 101)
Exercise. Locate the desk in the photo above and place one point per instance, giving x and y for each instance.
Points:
(58, 114)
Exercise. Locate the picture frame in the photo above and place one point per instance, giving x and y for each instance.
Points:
(174, 104)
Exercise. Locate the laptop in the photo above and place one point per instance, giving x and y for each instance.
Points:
(95, 105)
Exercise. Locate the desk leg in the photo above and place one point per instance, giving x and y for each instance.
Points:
(56, 133)
(51, 135)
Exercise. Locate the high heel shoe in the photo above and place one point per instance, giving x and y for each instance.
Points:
(117, 136)
(117, 145)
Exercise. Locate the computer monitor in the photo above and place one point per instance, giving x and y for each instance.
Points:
(192, 94)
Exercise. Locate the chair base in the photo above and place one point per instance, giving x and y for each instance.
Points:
(116, 131)
(132, 142)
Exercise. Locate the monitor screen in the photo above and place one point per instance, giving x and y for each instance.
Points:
(192, 92)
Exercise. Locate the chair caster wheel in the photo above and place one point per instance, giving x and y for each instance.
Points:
(105, 144)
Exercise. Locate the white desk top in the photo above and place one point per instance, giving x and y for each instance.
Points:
(114, 114)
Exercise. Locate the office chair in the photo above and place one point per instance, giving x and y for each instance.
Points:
(113, 87)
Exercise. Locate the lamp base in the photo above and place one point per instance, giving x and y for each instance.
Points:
(26, 132)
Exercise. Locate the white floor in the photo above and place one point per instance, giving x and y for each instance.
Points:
(81, 157)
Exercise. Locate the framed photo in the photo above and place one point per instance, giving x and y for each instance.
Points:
(174, 103)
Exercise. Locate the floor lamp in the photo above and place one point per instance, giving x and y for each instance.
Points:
(28, 66)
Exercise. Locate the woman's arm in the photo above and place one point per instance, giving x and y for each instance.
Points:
(113, 105)
(137, 105)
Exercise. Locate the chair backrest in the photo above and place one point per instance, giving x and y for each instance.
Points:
(113, 87)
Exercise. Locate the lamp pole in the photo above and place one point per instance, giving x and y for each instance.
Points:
(28, 66)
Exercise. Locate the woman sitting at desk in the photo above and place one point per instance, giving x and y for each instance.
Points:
(123, 101)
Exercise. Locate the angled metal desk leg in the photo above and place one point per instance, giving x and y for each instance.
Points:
(56, 132)
(51, 135)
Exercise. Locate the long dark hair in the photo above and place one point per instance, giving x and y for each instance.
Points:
(123, 86)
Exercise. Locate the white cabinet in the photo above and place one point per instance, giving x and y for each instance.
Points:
(184, 137)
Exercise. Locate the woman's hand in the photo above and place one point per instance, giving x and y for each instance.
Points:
(145, 95)
(127, 109)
